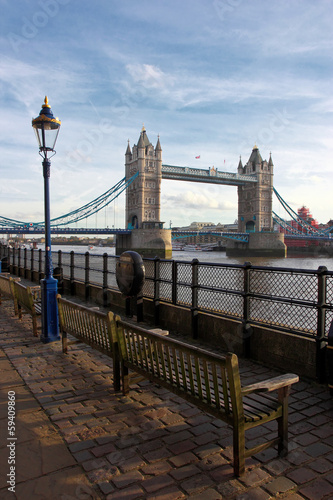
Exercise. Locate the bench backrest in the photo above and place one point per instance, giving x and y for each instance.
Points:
(6, 284)
(93, 327)
(24, 295)
(210, 380)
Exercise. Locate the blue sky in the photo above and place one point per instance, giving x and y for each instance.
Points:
(212, 77)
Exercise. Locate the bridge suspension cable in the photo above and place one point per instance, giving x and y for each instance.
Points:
(296, 217)
(83, 212)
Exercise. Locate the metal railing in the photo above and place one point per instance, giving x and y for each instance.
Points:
(297, 301)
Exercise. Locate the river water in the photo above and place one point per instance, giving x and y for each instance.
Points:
(301, 262)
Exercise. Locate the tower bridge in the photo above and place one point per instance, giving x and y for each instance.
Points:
(144, 230)
(254, 183)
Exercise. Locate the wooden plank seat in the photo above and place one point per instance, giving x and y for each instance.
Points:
(7, 289)
(28, 300)
(207, 380)
(211, 382)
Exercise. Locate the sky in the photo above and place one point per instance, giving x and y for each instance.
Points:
(212, 78)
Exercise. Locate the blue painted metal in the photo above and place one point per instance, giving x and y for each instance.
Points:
(61, 230)
(49, 285)
(77, 215)
(47, 128)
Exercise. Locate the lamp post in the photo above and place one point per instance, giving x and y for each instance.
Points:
(47, 128)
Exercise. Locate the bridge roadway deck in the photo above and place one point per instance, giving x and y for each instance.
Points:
(77, 438)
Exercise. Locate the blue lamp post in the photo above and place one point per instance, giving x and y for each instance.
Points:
(47, 128)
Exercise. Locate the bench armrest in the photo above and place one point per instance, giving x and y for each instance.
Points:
(271, 384)
(36, 293)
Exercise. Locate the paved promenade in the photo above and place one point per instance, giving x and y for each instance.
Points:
(78, 439)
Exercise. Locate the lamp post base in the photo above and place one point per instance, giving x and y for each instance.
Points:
(50, 325)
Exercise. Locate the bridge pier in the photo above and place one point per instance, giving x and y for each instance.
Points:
(260, 245)
(148, 242)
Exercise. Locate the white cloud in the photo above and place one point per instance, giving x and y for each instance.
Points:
(150, 76)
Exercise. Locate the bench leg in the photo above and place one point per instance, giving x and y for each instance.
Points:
(125, 378)
(34, 326)
(116, 369)
(19, 310)
(239, 449)
(64, 342)
(283, 394)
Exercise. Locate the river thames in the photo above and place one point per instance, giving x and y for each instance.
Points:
(301, 262)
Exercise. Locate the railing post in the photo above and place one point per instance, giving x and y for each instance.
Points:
(32, 264)
(321, 322)
(247, 329)
(40, 264)
(60, 258)
(71, 272)
(194, 308)
(25, 263)
(105, 279)
(157, 290)
(86, 275)
(18, 261)
(174, 281)
(13, 262)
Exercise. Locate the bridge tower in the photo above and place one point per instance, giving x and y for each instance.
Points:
(255, 199)
(143, 202)
(144, 194)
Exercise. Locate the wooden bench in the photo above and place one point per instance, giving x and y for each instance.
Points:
(209, 381)
(7, 289)
(29, 300)
(90, 326)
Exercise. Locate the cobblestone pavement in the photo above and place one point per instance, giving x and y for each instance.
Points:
(78, 439)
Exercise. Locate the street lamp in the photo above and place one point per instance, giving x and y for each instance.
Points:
(47, 128)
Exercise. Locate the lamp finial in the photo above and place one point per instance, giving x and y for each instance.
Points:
(46, 103)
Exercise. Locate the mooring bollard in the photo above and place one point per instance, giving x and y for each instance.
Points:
(130, 276)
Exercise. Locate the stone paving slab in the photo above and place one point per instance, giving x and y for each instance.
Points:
(77, 438)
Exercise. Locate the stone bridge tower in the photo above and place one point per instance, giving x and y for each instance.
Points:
(255, 199)
(143, 202)
(143, 195)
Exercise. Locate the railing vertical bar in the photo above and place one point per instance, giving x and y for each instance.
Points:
(40, 264)
(321, 322)
(72, 278)
(157, 290)
(174, 281)
(247, 330)
(194, 307)
(105, 279)
(86, 275)
(25, 262)
(32, 264)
